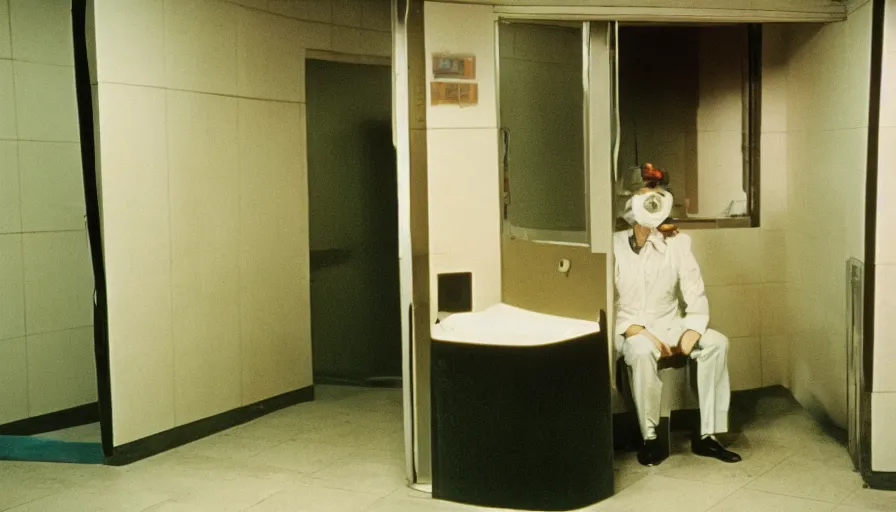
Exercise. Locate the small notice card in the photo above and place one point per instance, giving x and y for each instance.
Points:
(453, 66)
(454, 93)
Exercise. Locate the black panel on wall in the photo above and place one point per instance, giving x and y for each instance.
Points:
(455, 292)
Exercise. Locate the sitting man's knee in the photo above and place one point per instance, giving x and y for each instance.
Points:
(638, 347)
(714, 340)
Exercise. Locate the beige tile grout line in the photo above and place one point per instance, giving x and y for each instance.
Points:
(15, 108)
(170, 236)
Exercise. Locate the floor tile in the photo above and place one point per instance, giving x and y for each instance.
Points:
(315, 499)
(229, 447)
(94, 500)
(363, 475)
(746, 500)
(303, 456)
(664, 494)
(82, 434)
(809, 479)
(228, 496)
(407, 504)
(883, 501)
(757, 460)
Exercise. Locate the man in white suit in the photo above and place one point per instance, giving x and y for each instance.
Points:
(653, 268)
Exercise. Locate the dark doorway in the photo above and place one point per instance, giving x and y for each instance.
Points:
(353, 217)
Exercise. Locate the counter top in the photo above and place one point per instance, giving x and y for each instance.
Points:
(505, 325)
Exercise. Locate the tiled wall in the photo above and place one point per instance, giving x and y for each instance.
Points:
(827, 127)
(883, 405)
(46, 282)
(462, 145)
(203, 165)
(745, 270)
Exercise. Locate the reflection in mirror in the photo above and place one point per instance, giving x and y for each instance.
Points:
(684, 106)
(542, 121)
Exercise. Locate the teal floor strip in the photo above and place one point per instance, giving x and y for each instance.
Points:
(36, 449)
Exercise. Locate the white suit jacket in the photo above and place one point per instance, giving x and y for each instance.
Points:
(648, 286)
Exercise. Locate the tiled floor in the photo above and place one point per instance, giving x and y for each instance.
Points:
(83, 434)
(344, 453)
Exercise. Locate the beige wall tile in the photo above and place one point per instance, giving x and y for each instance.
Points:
(137, 258)
(52, 186)
(275, 307)
(775, 311)
(5, 42)
(13, 380)
(255, 4)
(728, 256)
(886, 241)
(316, 36)
(361, 42)
(464, 195)
(310, 10)
(58, 281)
(775, 360)
(46, 109)
(888, 87)
(12, 288)
(10, 203)
(883, 442)
(734, 310)
(775, 264)
(42, 31)
(8, 127)
(271, 66)
(201, 45)
(884, 322)
(744, 363)
(773, 207)
(889, 30)
(131, 41)
(61, 370)
(204, 183)
(377, 15)
(463, 29)
(720, 176)
(347, 12)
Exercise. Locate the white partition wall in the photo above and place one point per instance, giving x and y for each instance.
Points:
(204, 197)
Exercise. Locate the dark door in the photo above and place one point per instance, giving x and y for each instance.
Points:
(353, 215)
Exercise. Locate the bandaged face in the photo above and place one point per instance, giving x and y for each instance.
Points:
(649, 208)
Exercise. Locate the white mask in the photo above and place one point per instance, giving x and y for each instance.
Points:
(627, 214)
(652, 208)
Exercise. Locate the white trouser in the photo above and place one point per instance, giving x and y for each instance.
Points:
(713, 384)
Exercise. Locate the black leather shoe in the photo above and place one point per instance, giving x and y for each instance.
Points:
(709, 447)
(652, 453)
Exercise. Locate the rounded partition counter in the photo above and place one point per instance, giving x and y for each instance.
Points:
(521, 413)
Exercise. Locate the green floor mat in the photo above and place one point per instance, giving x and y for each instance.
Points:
(36, 449)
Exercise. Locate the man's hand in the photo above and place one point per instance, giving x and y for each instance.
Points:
(688, 341)
(633, 330)
(664, 349)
